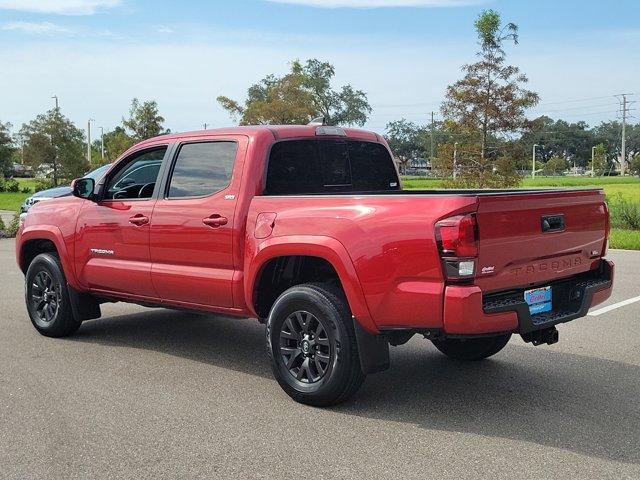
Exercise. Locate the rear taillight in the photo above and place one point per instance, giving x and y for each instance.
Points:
(457, 239)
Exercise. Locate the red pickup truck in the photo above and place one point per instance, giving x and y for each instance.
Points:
(307, 229)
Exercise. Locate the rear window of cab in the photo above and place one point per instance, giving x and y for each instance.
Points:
(315, 166)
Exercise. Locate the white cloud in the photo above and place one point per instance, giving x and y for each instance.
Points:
(42, 28)
(60, 7)
(378, 3)
(164, 29)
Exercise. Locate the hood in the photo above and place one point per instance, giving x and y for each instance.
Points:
(53, 192)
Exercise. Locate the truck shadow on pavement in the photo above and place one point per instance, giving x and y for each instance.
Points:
(587, 405)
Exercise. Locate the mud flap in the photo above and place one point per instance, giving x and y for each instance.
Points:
(373, 350)
(84, 305)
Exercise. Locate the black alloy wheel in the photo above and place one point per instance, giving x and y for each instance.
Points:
(304, 346)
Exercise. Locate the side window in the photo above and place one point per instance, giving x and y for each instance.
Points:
(202, 169)
(137, 177)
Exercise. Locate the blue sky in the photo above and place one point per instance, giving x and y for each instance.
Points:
(98, 54)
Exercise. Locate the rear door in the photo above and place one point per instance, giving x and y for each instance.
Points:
(533, 237)
(192, 228)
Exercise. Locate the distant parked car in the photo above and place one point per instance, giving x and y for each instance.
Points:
(23, 171)
(59, 191)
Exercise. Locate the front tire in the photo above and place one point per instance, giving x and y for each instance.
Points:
(472, 349)
(47, 297)
(312, 345)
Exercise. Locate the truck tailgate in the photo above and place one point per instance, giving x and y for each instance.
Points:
(530, 238)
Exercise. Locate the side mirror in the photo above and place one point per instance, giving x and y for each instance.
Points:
(83, 187)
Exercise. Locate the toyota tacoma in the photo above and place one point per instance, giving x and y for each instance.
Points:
(308, 229)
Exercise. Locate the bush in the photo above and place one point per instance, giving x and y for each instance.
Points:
(12, 229)
(43, 184)
(12, 186)
(2, 227)
(25, 190)
(2, 184)
(629, 215)
(624, 214)
(634, 165)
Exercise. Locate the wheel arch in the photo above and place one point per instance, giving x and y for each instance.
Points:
(323, 249)
(46, 239)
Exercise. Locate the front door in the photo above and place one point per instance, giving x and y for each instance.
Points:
(112, 243)
(192, 225)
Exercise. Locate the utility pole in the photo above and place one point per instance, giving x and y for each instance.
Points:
(623, 162)
(533, 161)
(593, 161)
(623, 150)
(56, 117)
(102, 143)
(89, 140)
(204, 125)
(431, 134)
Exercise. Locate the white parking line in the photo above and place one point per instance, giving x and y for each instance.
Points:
(608, 308)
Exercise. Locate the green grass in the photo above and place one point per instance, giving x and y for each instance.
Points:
(627, 188)
(27, 182)
(578, 181)
(625, 239)
(12, 201)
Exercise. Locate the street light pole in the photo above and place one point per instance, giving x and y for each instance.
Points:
(102, 143)
(56, 98)
(593, 161)
(533, 162)
(89, 140)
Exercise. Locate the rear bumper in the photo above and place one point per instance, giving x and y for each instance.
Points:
(468, 312)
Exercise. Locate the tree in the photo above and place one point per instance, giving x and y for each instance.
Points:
(53, 144)
(301, 95)
(559, 138)
(489, 102)
(406, 140)
(6, 149)
(115, 143)
(144, 120)
(273, 100)
(346, 106)
(634, 165)
(599, 163)
(610, 134)
(555, 166)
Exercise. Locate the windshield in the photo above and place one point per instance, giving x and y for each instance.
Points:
(98, 172)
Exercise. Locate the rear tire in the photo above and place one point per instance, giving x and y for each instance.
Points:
(312, 346)
(472, 349)
(47, 297)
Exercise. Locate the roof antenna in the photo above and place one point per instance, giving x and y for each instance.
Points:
(317, 122)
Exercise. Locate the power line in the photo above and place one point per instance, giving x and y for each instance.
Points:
(576, 100)
(576, 108)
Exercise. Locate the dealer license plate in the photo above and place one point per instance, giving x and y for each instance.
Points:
(538, 299)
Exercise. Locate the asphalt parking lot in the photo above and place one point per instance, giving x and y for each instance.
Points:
(145, 393)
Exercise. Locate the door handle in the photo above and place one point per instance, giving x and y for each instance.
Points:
(215, 221)
(139, 220)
